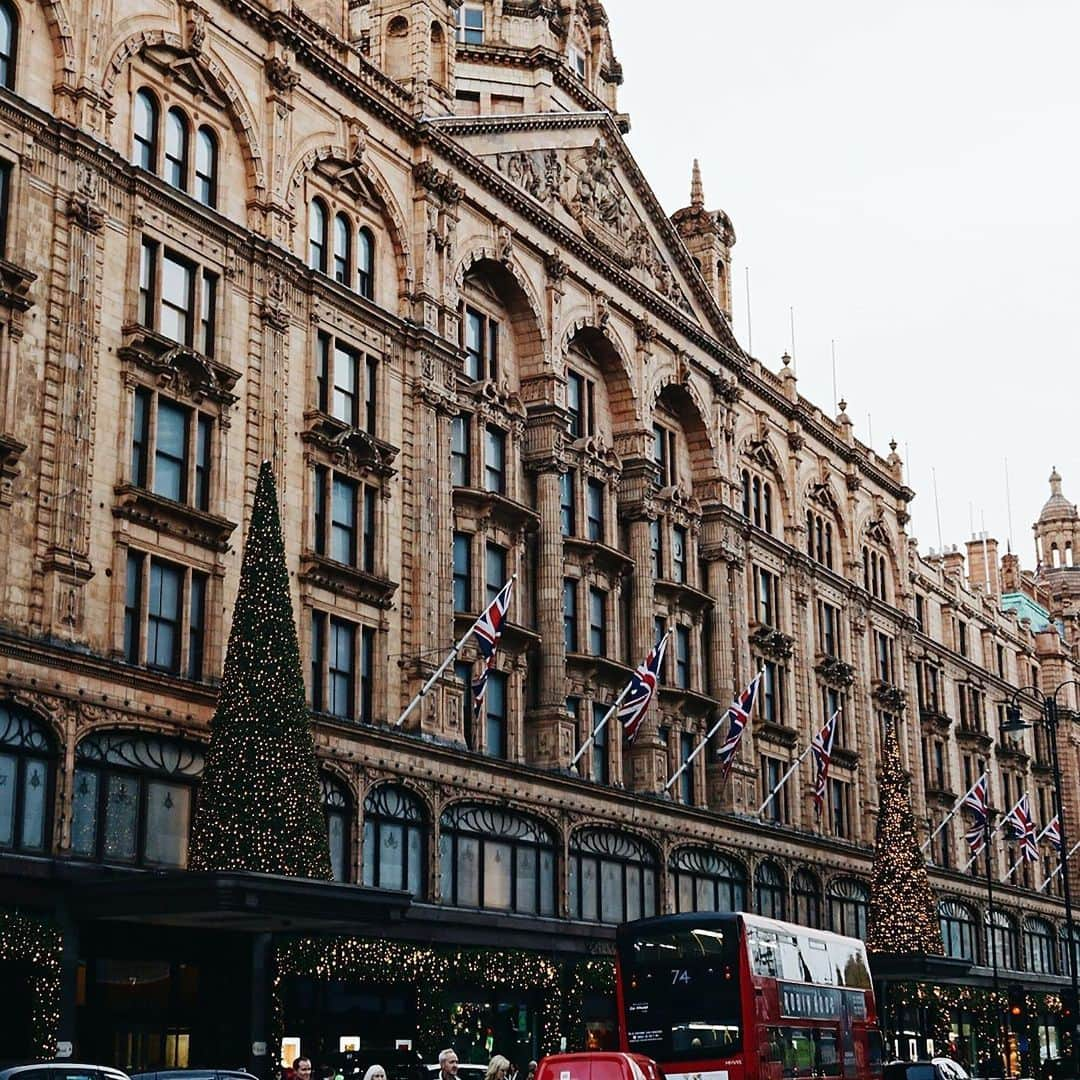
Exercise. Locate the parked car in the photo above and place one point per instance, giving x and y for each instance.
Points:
(399, 1064)
(598, 1065)
(61, 1070)
(194, 1074)
(465, 1071)
(939, 1068)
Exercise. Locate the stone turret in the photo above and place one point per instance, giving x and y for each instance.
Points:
(709, 237)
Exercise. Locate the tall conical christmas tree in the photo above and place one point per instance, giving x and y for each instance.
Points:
(260, 803)
(903, 909)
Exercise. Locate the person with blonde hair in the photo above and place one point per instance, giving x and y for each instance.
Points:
(497, 1069)
(376, 1072)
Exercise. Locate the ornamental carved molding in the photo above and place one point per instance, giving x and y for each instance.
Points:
(726, 389)
(437, 182)
(888, 697)
(281, 76)
(350, 448)
(772, 643)
(183, 371)
(835, 673)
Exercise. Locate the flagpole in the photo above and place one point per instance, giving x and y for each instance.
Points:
(444, 665)
(600, 727)
(784, 779)
(952, 813)
(697, 750)
(1059, 867)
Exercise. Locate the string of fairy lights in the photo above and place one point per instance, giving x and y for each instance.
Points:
(35, 943)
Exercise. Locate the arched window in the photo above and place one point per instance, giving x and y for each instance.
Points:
(342, 243)
(317, 222)
(8, 41)
(612, 877)
(493, 858)
(958, 926)
(1002, 941)
(206, 167)
(26, 781)
(757, 500)
(133, 800)
(770, 894)
(819, 538)
(365, 263)
(806, 898)
(395, 840)
(176, 148)
(144, 131)
(875, 572)
(849, 902)
(1039, 951)
(707, 881)
(438, 55)
(397, 47)
(338, 819)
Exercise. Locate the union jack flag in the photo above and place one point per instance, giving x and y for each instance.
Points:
(977, 800)
(1019, 821)
(643, 684)
(1052, 832)
(822, 749)
(739, 714)
(488, 630)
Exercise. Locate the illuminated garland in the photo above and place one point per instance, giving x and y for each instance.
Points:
(260, 801)
(436, 974)
(588, 976)
(35, 942)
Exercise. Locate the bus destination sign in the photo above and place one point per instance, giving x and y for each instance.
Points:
(802, 1001)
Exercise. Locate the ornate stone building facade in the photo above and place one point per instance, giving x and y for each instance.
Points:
(400, 249)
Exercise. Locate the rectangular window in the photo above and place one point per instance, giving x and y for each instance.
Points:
(343, 521)
(566, 503)
(481, 345)
(841, 809)
(594, 510)
(321, 477)
(318, 658)
(459, 451)
(664, 455)
(196, 625)
(463, 670)
(495, 460)
(601, 770)
(341, 672)
(322, 372)
(570, 615)
(462, 571)
(367, 674)
(687, 743)
(494, 571)
(367, 558)
(920, 611)
(961, 638)
(140, 435)
(164, 607)
(766, 599)
(371, 375)
(659, 627)
(171, 451)
(346, 405)
(203, 435)
(655, 548)
(208, 313)
(682, 657)
(147, 282)
(832, 701)
(597, 622)
(470, 25)
(133, 606)
(177, 298)
(1000, 653)
(495, 704)
(575, 404)
(772, 693)
(828, 629)
(884, 647)
(778, 809)
(678, 554)
(5, 180)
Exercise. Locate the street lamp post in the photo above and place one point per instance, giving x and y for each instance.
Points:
(1014, 722)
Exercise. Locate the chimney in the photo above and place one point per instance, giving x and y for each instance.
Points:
(954, 562)
(982, 560)
(1010, 573)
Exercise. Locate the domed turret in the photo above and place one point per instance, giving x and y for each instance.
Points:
(1057, 531)
(1057, 507)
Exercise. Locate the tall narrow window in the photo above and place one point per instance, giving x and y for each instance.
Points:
(597, 622)
(594, 509)
(682, 657)
(133, 605)
(176, 148)
(495, 460)
(317, 239)
(678, 554)
(346, 385)
(462, 571)
(686, 780)
(318, 659)
(570, 615)
(494, 571)
(367, 674)
(207, 313)
(140, 435)
(203, 436)
(8, 42)
(371, 372)
(566, 503)
(164, 616)
(601, 752)
(340, 680)
(196, 625)
(147, 282)
(206, 157)
(321, 472)
(495, 703)
(342, 243)
(365, 264)
(367, 561)
(177, 298)
(343, 522)
(459, 451)
(144, 129)
(481, 340)
(171, 451)
(655, 552)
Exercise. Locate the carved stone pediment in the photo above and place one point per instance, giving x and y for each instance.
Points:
(495, 397)
(684, 505)
(822, 494)
(595, 451)
(888, 697)
(878, 533)
(772, 643)
(143, 507)
(15, 285)
(179, 368)
(761, 453)
(835, 673)
(347, 581)
(350, 448)
(179, 61)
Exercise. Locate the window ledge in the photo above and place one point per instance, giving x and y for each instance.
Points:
(602, 668)
(500, 509)
(849, 759)
(597, 553)
(187, 372)
(773, 732)
(1016, 754)
(11, 449)
(690, 703)
(514, 636)
(935, 718)
(769, 641)
(348, 447)
(143, 507)
(15, 282)
(971, 737)
(345, 580)
(686, 596)
(940, 795)
(835, 672)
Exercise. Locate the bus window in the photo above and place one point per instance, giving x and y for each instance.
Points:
(874, 1051)
(827, 1054)
(793, 1048)
(816, 960)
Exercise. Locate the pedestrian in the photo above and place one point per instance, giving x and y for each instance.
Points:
(514, 1072)
(448, 1064)
(530, 1072)
(301, 1068)
(498, 1068)
(376, 1072)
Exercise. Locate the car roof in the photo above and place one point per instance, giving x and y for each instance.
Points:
(63, 1066)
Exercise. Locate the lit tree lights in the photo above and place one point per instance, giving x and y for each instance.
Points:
(903, 909)
(260, 801)
(34, 944)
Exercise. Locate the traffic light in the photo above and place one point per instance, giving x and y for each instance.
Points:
(1017, 1006)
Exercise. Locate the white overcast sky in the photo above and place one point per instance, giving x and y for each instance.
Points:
(907, 178)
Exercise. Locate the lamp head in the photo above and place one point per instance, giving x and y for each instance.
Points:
(1014, 721)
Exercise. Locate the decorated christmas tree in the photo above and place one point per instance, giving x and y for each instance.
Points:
(260, 803)
(903, 909)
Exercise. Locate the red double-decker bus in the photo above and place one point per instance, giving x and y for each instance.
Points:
(731, 996)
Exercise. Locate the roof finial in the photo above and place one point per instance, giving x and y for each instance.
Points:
(697, 195)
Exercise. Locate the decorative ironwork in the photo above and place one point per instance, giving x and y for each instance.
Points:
(19, 729)
(391, 801)
(335, 796)
(713, 863)
(494, 822)
(153, 753)
(611, 844)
